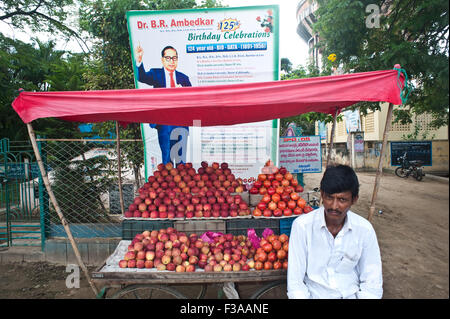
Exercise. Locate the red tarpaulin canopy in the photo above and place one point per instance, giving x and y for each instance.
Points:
(214, 105)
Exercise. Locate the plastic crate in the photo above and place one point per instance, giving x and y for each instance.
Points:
(240, 226)
(131, 228)
(200, 226)
(286, 225)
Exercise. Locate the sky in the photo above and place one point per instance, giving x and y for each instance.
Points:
(291, 45)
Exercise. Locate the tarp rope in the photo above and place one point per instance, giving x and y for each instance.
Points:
(406, 90)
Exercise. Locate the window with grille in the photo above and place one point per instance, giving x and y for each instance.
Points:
(341, 128)
(399, 127)
(369, 123)
(424, 120)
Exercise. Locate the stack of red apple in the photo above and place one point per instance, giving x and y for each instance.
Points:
(218, 176)
(182, 192)
(279, 190)
(164, 249)
(272, 253)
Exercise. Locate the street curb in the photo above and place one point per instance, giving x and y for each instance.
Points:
(437, 178)
(60, 252)
(22, 254)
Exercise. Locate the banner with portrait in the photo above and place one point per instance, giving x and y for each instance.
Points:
(204, 47)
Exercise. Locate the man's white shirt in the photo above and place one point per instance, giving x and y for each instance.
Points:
(323, 266)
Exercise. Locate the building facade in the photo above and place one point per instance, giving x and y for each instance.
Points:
(361, 147)
(369, 136)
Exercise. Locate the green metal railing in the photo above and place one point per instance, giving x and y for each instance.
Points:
(19, 203)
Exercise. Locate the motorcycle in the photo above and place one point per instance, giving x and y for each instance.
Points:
(408, 168)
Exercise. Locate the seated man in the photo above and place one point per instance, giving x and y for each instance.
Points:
(333, 252)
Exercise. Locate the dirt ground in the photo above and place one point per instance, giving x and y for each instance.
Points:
(412, 230)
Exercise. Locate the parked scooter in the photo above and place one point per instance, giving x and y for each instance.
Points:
(407, 168)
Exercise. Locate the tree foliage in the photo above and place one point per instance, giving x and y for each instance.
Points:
(49, 16)
(286, 65)
(413, 34)
(35, 67)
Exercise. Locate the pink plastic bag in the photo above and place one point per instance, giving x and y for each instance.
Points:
(209, 236)
(254, 239)
(267, 232)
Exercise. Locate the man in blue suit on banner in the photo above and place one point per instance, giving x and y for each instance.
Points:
(169, 77)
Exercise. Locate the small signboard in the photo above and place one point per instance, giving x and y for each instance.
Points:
(301, 154)
(359, 142)
(415, 151)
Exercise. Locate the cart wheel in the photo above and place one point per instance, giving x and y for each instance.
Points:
(202, 292)
(273, 290)
(148, 292)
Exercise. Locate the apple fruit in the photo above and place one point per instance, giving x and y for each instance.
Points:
(217, 268)
(227, 267)
(140, 255)
(218, 256)
(180, 268)
(140, 263)
(161, 267)
(193, 260)
(150, 255)
(170, 267)
(130, 255)
(123, 263)
(208, 268)
(190, 268)
(166, 259)
(128, 214)
(137, 213)
(237, 267)
(168, 244)
(177, 260)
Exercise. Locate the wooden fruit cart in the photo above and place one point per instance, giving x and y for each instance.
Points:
(151, 283)
(142, 284)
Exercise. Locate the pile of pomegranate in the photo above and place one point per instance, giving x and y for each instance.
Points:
(272, 253)
(182, 192)
(169, 249)
(279, 190)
